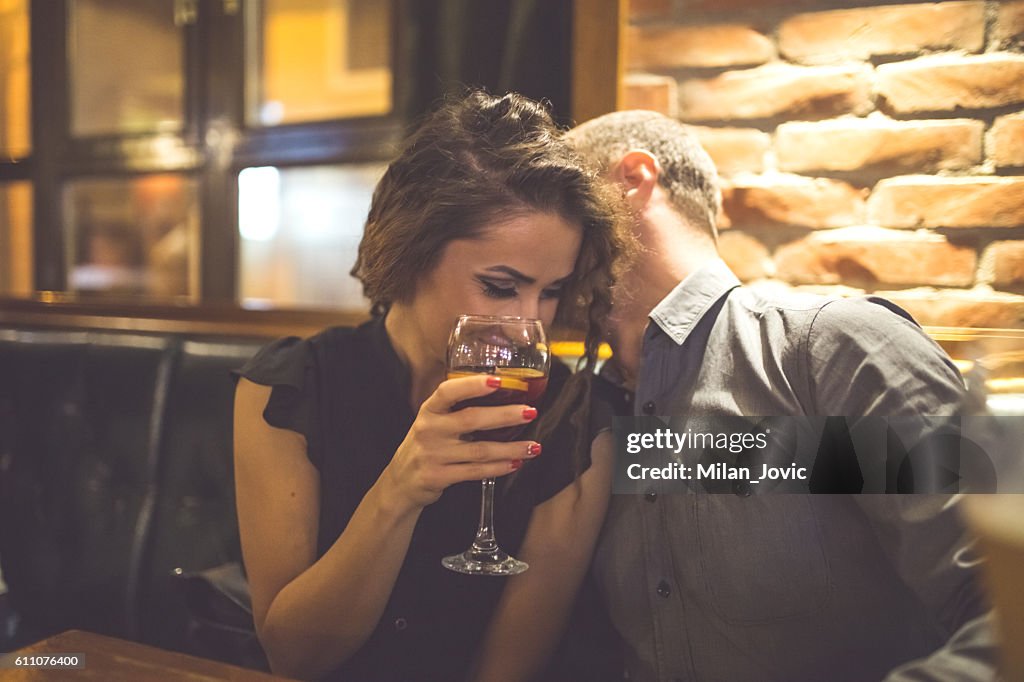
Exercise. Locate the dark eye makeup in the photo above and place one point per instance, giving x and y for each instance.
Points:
(553, 292)
(508, 289)
(495, 290)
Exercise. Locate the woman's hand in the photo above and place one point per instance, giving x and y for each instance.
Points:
(435, 454)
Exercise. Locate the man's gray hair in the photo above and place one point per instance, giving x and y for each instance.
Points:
(687, 172)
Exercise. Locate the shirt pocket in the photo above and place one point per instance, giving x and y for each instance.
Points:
(762, 559)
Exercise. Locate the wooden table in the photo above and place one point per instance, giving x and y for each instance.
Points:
(116, 660)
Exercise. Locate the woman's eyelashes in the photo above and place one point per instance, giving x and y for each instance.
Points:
(495, 289)
(552, 292)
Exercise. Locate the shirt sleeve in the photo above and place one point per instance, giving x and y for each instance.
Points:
(287, 367)
(867, 357)
(894, 390)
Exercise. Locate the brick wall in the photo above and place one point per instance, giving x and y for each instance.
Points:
(863, 146)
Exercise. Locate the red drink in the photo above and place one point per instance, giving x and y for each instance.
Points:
(523, 385)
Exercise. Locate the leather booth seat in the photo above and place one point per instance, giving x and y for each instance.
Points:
(115, 470)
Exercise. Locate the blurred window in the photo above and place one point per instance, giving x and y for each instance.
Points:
(299, 231)
(16, 239)
(134, 237)
(15, 131)
(126, 66)
(313, 60)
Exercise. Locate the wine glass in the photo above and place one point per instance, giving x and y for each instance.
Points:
(515, 349)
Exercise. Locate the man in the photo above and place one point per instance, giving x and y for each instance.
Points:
(749, 587)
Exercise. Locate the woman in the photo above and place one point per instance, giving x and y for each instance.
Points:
(352, 477)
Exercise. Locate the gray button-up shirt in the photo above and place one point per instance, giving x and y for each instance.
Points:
(788, 588)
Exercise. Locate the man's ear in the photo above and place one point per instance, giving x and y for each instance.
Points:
(637, 171)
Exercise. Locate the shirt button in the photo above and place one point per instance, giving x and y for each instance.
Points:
(741, 488)
(649, 407)
(400, 624)
(664, 589)
(650, 495)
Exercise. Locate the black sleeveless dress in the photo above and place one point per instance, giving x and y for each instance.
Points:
(347, 392)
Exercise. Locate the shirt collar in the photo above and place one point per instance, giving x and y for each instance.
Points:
(679, 312)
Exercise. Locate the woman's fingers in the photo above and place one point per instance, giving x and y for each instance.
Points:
(489, 451)
(453, 391)
(474, 460)
(470, 419)
(486, 459)
(438, 420)
(475, 472)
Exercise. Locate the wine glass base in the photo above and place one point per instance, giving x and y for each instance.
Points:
(497, 562)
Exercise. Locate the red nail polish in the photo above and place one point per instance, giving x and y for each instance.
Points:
(516, 464)
(530, 413)
(533, 449)
(494, 382)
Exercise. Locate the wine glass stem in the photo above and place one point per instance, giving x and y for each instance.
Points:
(485, 541)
